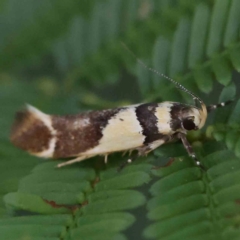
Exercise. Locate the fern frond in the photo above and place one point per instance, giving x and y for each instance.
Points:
(188, 203)
(99, 204)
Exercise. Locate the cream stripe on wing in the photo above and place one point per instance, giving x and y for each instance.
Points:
(163, 115)
(122, 132)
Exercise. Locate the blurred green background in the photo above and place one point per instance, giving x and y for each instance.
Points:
(66, 56)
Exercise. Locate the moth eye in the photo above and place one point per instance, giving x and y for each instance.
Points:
(188, 124)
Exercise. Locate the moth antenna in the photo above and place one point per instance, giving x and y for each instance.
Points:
(177, 85)
(219, 105)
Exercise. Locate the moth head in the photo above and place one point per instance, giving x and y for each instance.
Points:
(194, 118)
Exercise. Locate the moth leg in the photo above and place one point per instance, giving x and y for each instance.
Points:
(132, 159)
(124, 164)
(142, 151)
(105, 158)
(78, 159)
(124, 153)
(189, 149)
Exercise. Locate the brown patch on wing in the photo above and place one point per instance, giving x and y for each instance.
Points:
(147, 119)
(78, 133)
(30, 133)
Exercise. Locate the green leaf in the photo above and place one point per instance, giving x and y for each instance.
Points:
(176, 179)
(198, 35)
(161, 53)
(32, 203)
(217, 26)
(175, 224)
(233, 24)
(179, 48)
(125, 201)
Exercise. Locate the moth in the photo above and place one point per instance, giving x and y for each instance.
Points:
(142, 127)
